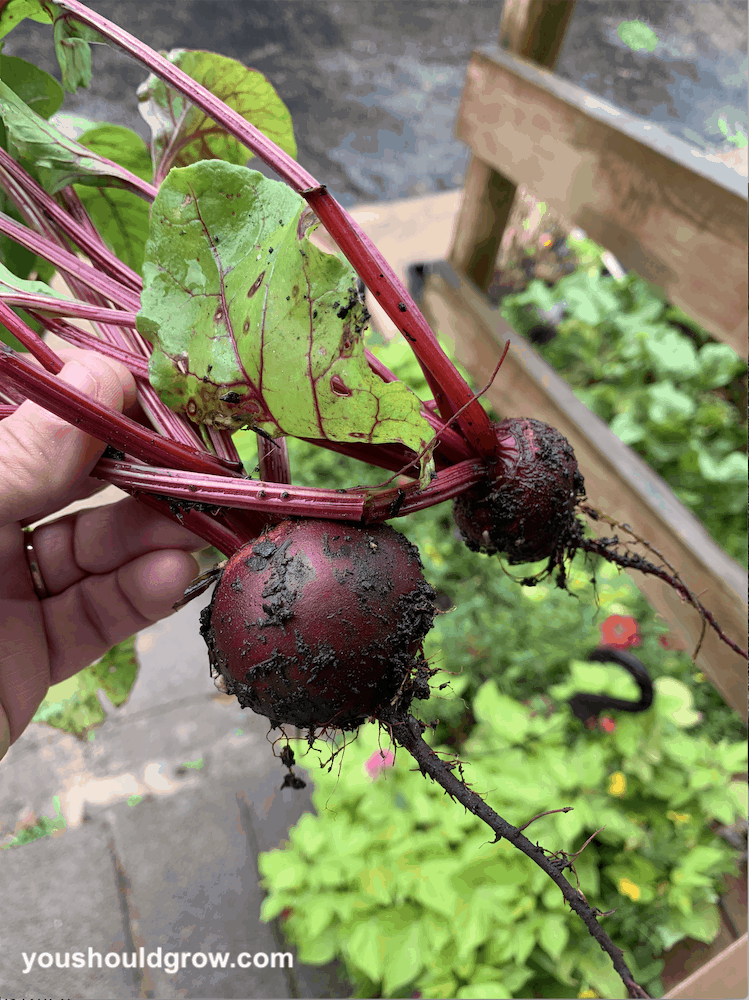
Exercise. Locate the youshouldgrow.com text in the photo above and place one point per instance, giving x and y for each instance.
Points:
(169, 961)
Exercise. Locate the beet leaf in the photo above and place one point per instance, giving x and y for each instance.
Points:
(183, 134)
(58, 160)
(253, 324)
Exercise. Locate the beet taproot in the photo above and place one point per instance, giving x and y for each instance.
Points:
(527, 511)
(318, 623)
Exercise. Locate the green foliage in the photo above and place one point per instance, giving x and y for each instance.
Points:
(120, 216)
(286, 354)
(71, 37)
(637, 36)
(44, 95)
(408, 889)
(74, 705)
(183, 134)
(673, 397)
(16, 11)
(45, 827)
(33, 85)
(51, 157)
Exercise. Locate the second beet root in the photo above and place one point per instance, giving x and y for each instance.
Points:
(527, 512)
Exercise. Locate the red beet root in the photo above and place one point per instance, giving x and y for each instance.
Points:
(527, 513)
(318, 623)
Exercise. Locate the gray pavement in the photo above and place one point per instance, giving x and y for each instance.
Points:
(158, 853)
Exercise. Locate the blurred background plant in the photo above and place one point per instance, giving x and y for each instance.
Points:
(667, 389)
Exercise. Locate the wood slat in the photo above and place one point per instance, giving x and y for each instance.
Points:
(722, 978)
(487, 202)
(617, 481)
(534, 29)
(672, 215)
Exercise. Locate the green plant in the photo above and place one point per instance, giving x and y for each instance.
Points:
(47, 826)
(674, 397)
(405, 887)
(74, 704)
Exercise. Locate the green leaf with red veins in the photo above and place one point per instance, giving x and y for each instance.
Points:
(253, 324)
(183, 134)
(121, 217)
(54, 158)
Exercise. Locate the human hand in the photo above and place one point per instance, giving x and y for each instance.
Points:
(109, 571)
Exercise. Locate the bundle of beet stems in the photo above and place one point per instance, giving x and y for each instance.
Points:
(515, 485)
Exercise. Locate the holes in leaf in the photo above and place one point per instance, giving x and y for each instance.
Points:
(339, 387)
(255, 285)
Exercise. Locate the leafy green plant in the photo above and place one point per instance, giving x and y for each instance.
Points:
(673, 397)
(47, 826)
(74, 705)
(404, 886)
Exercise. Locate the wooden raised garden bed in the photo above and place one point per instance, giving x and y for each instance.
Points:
(676, 217)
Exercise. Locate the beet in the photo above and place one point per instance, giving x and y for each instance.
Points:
(527, 512)
(318, 623)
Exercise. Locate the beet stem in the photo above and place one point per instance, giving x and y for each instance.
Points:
(450, 389)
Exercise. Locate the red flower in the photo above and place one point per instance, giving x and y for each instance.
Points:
(606, 724)
(619, 632)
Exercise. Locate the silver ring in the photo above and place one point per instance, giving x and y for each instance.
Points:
(37, 579)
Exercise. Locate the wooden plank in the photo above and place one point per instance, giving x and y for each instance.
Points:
(675, 217)
(722, 978)
(484, 211)
(535, 29)
(617, 481)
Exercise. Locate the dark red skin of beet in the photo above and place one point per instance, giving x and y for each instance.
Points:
(318, 623)
(528, 510)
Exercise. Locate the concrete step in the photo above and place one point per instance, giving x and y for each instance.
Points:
(167, 808)
(59, 899)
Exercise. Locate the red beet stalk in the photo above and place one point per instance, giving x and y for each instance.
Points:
(450, 389)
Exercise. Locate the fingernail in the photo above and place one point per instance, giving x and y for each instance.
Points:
(4, 734)
(197, 565)
(76, 375)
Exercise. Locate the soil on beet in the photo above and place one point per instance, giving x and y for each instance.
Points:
(321, 638)
(529, 515)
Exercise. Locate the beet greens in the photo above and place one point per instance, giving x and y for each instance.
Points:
(234, 316)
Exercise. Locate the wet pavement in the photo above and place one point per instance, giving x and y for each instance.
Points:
(374, 87)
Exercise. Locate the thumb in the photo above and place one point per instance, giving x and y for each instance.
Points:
(42, 457)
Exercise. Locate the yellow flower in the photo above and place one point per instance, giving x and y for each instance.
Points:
(627, 888)
(678, 817)
(617, 784)
(587, 995)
